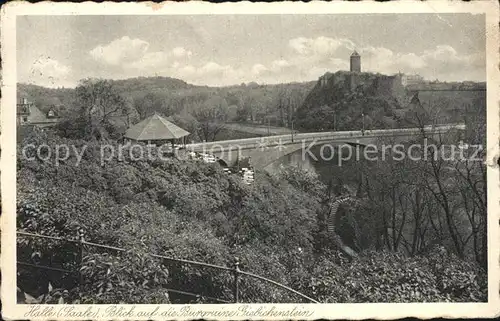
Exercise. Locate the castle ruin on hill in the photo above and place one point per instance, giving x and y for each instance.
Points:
(400, 86)
(370, 83)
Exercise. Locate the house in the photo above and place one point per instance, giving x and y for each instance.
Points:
(29, 114)
(412, 80)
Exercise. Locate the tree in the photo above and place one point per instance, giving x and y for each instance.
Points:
(188, 122)
(437, 199)
(211, 115)
(97, 101)
(288, 101)
(150, 103)
(250, 108)
(130, 113)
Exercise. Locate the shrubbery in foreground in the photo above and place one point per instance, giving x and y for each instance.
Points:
(192, 210)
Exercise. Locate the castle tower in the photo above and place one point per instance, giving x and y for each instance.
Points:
(355, 62)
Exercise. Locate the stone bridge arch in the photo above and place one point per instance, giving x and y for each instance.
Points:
(261, 156)
(264, 160)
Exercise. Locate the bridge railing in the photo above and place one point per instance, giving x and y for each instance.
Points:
(256, 142)
(225, 285)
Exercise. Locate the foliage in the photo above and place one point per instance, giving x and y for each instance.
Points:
(95, 111)
(412, 205)
(192, 210)
(211, 116)
(131, 277)
(143, 96)
(391, 277)
(384, 102)
(185, 209)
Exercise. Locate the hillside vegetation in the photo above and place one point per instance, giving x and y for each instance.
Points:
(339, 103)
(415, 230)
(186, 104)
(308, 106)
(192, 210)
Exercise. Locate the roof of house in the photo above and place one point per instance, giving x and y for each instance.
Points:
(36, 116)
(155, 127)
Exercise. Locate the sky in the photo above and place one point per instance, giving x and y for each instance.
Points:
(220, 50)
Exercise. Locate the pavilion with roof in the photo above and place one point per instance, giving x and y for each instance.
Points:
(156, 130)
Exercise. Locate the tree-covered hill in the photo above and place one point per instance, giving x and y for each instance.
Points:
(150, 84)
(46, 98)
(335, 104)
(274, 104)
(341, 100)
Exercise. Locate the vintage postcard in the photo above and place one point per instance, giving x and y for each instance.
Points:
(249, 161)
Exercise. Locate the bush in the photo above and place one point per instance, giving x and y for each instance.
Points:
(391, 277)
(192, 210)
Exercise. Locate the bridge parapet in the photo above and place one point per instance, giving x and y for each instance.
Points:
(264, 150)
(250, 143)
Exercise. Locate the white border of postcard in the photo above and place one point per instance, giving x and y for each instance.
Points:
(11, 310)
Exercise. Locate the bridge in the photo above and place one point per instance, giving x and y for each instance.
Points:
(263, 151)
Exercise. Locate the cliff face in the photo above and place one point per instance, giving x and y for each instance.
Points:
(348, 101)
(369, 84)
(339, 100)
